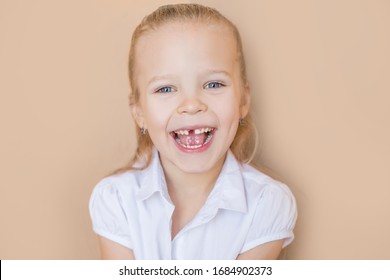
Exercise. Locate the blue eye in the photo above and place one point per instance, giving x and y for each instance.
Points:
(165, 90)
(214, 85)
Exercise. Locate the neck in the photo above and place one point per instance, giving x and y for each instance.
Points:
(181, 183)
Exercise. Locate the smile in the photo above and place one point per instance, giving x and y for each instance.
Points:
(193, 139)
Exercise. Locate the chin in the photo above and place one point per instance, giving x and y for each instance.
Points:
(191, 169)
(196, 165)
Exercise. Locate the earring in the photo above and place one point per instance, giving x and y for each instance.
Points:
(241, 122)
(143, 130)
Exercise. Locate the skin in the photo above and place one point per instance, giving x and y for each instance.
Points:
(188, 75)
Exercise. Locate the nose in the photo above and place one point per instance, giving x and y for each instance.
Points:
(191, 106)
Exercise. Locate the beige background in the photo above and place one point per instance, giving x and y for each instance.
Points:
(319, 73)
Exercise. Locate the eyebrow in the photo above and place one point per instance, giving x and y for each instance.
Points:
(170, 76)
(161, 77)
(212, 71)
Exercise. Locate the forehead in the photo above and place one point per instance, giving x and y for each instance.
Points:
(182, 46)
(177, 27)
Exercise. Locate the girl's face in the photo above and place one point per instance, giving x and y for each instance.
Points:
(191, 94)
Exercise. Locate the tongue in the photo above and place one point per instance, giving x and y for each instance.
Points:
(192, 139)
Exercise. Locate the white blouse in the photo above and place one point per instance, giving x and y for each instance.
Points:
(245, 209)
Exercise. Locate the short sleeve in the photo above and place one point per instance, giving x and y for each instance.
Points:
(274, 218)
(107, 214)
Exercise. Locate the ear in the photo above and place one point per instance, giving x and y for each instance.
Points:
(245, 101)
(138, 115)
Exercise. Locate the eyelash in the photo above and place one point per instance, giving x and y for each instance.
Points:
(214, 83)
(161, 90)
(171, 89)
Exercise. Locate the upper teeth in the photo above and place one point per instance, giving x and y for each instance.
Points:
(196, 131)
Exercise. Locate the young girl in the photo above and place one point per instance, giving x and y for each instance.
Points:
(189, 192)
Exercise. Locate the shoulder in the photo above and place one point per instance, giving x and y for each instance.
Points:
(132, 184)
(110, 207)
(258, 184)
(268, 198)
(113, 197)
(118, 186)
(272, 206)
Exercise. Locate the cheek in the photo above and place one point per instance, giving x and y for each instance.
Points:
(156, 117)
(228, 121)
(227, 109)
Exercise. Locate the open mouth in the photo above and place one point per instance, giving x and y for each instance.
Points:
(193, 138)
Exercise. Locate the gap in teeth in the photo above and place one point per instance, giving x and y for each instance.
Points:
(196, 131)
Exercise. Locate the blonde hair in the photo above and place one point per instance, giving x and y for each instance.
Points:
(245, 141)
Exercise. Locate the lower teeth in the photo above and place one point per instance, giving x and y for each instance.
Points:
(209, 136)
